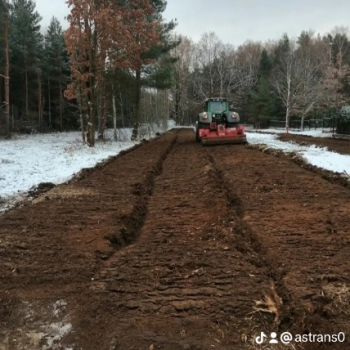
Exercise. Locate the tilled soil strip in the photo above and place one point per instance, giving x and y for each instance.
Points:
(336, 178)
(54, 246)
(302, 222)
(189, 281)
(176, 246)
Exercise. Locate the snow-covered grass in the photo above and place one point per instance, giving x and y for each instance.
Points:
(319, 157)
(311, 132)
(27, 160)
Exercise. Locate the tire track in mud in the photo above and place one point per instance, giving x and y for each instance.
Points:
(51, 249)
(249, 241)
(183, 284)
(300, 220)
(72, 225)
(133, 222)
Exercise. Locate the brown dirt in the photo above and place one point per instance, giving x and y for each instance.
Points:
(177, 246)
(341, 146)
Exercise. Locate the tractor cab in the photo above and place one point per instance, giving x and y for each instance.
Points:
(216, 106)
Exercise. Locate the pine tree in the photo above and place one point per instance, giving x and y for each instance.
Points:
(56, 72)
(4, 56)
(262, 98)
(26, 46)
(156, 66)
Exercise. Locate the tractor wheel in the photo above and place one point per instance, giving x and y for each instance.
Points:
(197, 132)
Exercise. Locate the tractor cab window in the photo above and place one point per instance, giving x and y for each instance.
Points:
(217, 106)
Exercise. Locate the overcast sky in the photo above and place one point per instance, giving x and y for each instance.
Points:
(236, 21)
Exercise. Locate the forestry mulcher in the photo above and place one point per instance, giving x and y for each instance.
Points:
(218, 125)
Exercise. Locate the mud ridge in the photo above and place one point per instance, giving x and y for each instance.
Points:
(250, 243)
(330, 176)
(235, 203)
(85, 172)
(134, 221)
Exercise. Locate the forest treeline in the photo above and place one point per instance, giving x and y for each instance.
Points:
(111, 65)
(288, 78)
(120, 64)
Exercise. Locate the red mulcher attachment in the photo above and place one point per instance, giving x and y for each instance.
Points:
(218, 134)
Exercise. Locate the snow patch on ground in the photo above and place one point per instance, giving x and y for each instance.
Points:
(28, 160)
(44, 325)
(317, 156)
(58, 307)
(311, 132)
(55, 332)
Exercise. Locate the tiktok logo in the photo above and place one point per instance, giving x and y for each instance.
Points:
(261, 338)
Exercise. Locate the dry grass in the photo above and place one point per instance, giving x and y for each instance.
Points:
(340, 295)
(271, 303)
(64, 191)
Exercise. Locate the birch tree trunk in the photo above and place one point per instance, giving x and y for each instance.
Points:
(302, 122)
(288, 102)
(114, 116)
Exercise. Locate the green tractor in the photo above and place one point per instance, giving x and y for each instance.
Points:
(217, 124)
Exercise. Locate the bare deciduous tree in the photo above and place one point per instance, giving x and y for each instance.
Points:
(101, 32)
(285, 76)
(184, 53)
(223, 65)
(312, 58)
(333, 96)
(340, 43)
(207, 51)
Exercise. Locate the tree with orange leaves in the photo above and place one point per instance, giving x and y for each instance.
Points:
(105, 35)
(145, 32)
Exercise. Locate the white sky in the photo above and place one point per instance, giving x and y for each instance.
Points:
(236, 21)
(47, 9)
